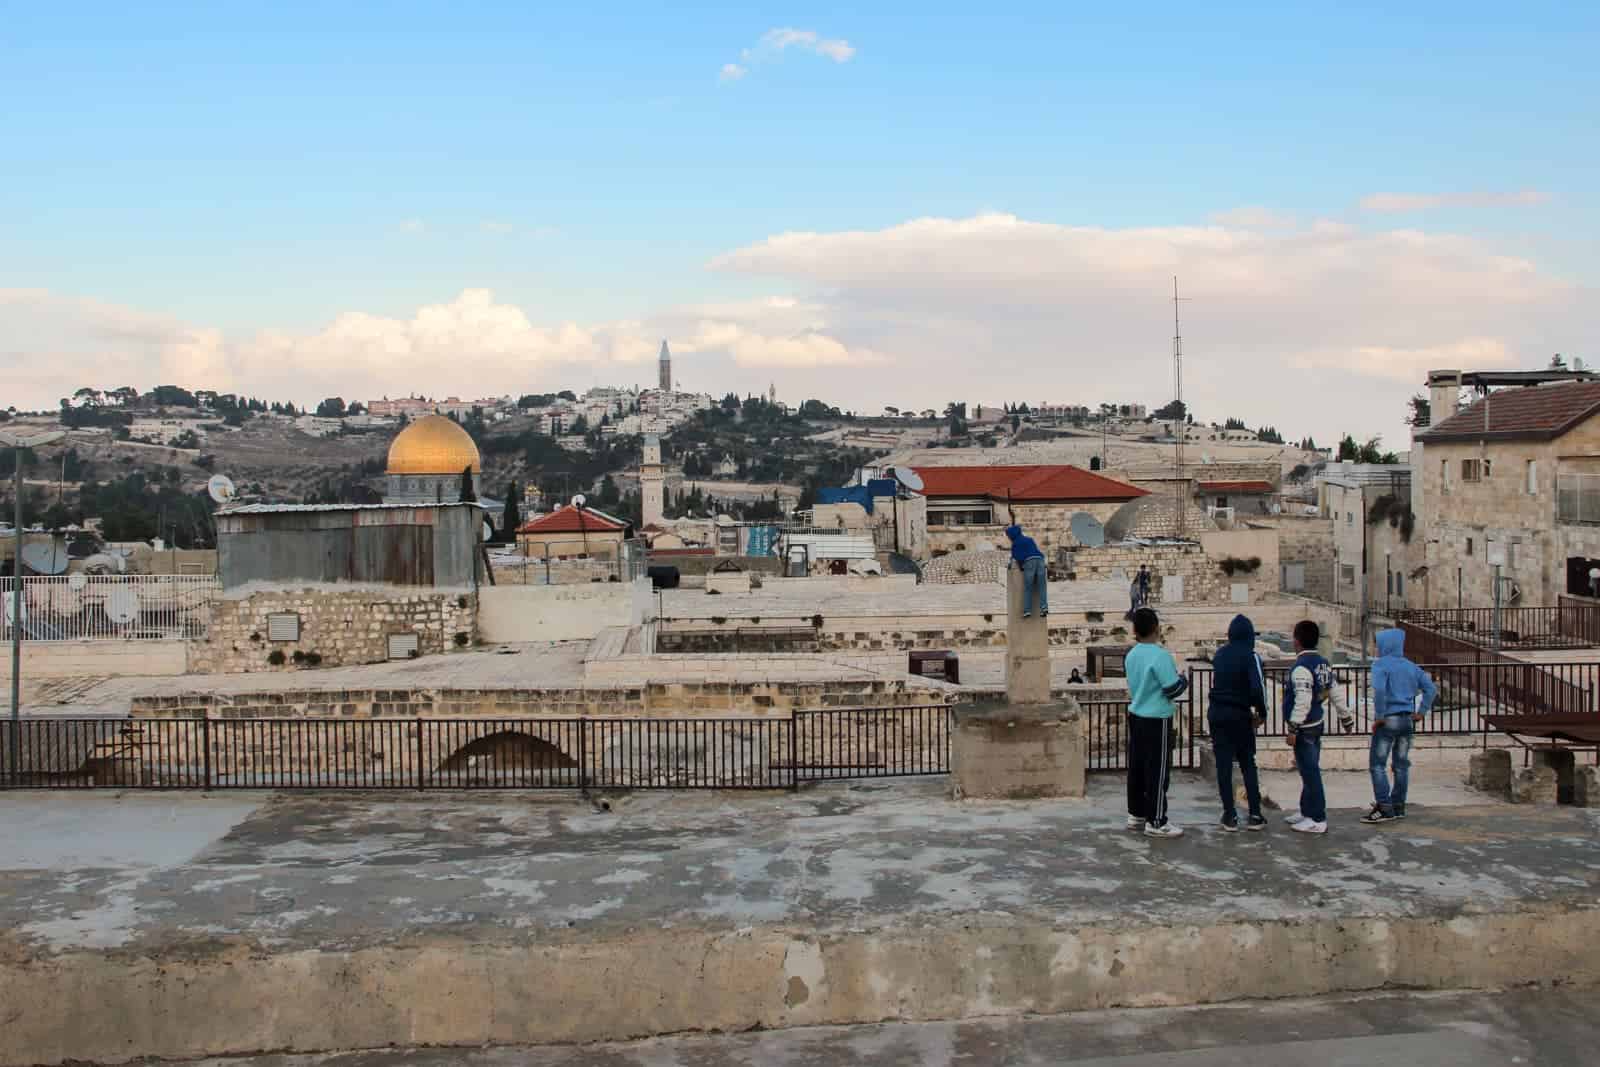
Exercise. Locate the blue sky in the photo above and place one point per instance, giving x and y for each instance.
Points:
(234, 170)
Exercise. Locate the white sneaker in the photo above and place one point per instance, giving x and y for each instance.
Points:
(1168, 830)
(1135, 823)
(1306, 826)
(1294, 817)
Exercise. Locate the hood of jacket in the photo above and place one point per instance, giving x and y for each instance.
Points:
(1013, 532)
(1391, 643)
(1242, 631)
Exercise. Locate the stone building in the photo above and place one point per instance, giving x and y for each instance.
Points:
(970, 507)
(1376, 543)
(1513, 479)
(573, 531)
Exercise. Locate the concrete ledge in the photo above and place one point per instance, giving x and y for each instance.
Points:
(229, 999)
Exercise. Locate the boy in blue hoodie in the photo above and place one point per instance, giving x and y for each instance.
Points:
(1238, 706)
(1035, 577)
(1396, 685)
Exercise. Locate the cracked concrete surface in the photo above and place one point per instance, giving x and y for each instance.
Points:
(150, 924)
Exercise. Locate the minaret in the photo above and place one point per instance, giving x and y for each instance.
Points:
(652, 484)
(666, 369)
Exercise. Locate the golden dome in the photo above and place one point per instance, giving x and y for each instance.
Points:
(433, 445)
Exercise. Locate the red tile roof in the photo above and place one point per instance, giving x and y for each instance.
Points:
(1237, 487)
(566, 520)
(1025, 484)
(1537, 412)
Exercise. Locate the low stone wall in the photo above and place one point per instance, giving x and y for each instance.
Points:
(524, 613)
(98, 659)
(340, 625)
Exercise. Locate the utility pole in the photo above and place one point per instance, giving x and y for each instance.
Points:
(1179, 525)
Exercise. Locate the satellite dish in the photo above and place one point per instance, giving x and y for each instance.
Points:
(579, 500)
(77, 582)
(1087, 530)
(488, 530)
(45, 559)
(122, 606)
(1124, 520)
(221, 488)
(908, 478)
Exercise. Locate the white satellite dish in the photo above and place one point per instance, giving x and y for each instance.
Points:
(77, 582)
(122, 606)
(579, 500)
(221, 488)
(907, 477)
(488, 530)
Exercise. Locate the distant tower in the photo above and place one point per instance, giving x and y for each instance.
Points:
(772, 395)
(666, 369)
(651, 481)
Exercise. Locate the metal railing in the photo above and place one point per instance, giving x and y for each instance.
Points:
(97, 607)
(1565, 626)
(359, 754)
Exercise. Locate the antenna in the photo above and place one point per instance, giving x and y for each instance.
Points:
(1183, 427)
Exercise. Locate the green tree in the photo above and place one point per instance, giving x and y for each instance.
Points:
(331, 408)
(512, 517)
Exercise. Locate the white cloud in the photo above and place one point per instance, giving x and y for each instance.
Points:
(64, 342)
(775, 42)
(1315, 328)
(1254, 218)
(1319, 328)
(1392, 203)
(413, 226)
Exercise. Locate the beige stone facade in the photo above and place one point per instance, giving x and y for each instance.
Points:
(1048, 524)
(341, 626)
(1502, 493)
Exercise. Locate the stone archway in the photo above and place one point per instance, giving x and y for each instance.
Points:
(507, 758)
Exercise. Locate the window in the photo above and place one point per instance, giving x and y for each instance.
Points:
(1532, 480)
(1469, 546)
(1472, 470)
(1347, 573)
(1349, 518)
(1578, 498)
(1388, 579)
(1399, 583)
(1444, 476)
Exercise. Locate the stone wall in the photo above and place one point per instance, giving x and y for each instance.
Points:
(1048, 524)
(97, 659)
(1309, 542)
(517, 613)
(340, 625)
(1203, 580)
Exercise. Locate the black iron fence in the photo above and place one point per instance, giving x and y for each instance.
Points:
(354, 754)
(1565, 626)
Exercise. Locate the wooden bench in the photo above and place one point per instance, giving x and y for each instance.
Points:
(1577, 731)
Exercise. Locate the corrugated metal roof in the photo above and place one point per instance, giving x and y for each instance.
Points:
(288, 509)
(824, 546)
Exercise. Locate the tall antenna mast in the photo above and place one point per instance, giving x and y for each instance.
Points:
(1179, 525)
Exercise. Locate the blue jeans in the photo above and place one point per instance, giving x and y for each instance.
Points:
(1308, 760)
(1035, 585)
(1391, 741)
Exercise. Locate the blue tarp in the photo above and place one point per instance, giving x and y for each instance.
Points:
(877, 488)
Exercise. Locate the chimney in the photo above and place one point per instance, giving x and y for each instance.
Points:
(1444, 395)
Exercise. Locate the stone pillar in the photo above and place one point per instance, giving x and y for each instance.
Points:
(1002, 752)
(1561, 761)
(1489, 771)
(1586, 786)
(1535, 785)
(1027, 648)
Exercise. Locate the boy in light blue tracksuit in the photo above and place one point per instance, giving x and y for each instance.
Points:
(1025, 554)
(1397, 683)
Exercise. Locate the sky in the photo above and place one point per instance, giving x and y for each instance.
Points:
(904, 205)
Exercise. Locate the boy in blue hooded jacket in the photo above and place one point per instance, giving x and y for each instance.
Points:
(1035, 577)
(1397, 683)
(1237, 707)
